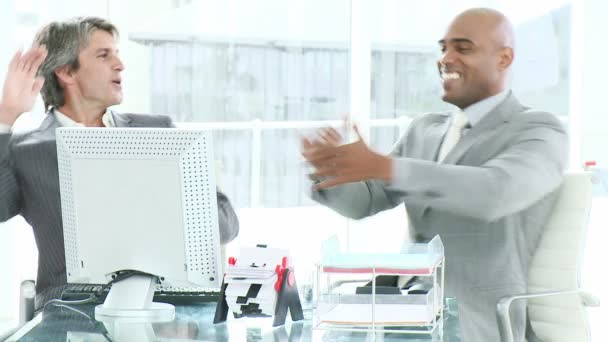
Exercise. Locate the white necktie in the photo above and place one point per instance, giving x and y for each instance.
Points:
(459, 121)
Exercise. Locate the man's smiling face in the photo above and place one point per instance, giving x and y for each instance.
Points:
(472, 65)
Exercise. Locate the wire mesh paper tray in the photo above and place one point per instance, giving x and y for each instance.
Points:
(340, 309)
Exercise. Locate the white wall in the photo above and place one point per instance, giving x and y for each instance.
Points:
(594, 110)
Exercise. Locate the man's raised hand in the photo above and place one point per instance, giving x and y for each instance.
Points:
(21, 85)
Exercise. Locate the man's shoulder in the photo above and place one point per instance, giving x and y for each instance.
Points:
(33, 140)
(27, 137)
(44, 133)
(147, 120)
(516, 112)
(537, 117)
(430, 118)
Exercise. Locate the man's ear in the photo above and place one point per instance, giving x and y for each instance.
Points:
(65, 75)
(505, 58)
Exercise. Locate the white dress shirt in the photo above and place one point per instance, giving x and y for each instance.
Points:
(478, 110)
(107, 119)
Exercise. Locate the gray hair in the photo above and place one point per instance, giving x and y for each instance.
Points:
(64, 40)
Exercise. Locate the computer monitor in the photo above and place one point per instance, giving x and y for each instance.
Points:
(140, 199)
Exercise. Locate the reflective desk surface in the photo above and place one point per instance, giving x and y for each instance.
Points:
(195, 323)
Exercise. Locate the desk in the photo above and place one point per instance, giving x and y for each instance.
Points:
(194, 323)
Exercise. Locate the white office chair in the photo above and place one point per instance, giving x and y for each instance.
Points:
(556, 304)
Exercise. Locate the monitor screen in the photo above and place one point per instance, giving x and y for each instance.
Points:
(140, 199)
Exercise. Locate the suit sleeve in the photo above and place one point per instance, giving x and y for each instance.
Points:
(9, 191)
(525, 171)
(227, 219)
(530, 167)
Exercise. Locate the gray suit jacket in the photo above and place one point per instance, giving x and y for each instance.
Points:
(488, 201)
(29, 185)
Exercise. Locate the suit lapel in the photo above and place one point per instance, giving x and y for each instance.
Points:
(46, 145)
(501, 114)
(48, 126)
(433, 137)
(490, 122)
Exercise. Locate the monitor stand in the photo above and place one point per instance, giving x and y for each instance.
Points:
(131, 328)
(132, 297)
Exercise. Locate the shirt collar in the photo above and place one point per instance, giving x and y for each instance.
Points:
(478, 110)
(107, 119)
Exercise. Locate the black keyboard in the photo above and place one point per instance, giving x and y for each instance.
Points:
(163, 294)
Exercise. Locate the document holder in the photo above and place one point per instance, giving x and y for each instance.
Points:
(339, 307)
(260, 283)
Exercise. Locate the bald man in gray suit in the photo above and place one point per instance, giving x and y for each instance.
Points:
(79, 79)
(483, 177)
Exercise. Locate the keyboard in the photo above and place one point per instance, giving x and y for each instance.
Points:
(163, 294)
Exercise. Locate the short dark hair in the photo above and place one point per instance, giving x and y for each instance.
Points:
(63, 41)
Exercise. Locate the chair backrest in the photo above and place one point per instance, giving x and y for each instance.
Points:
(557, 263)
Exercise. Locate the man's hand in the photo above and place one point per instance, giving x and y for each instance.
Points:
(347, 163)
(21, 85)
(326, 137)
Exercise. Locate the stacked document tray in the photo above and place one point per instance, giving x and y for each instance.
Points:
(339, 306)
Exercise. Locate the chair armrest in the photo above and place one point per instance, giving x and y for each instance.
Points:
(504, 304)
(589, 299)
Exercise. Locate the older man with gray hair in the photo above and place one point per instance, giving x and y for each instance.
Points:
(76, 66)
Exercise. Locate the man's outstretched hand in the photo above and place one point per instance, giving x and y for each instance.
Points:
(339, 164)
(21, 85)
